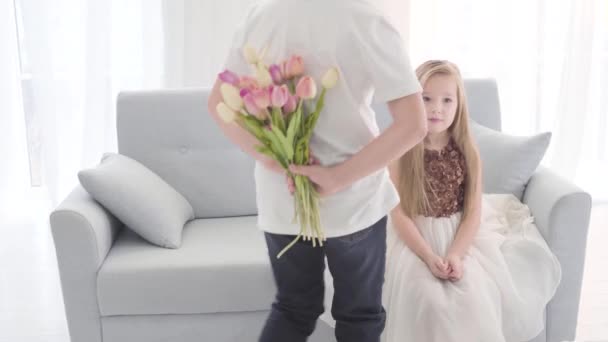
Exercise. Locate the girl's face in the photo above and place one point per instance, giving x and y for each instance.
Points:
(440, 102)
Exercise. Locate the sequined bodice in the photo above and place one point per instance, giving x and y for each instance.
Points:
(445, 172)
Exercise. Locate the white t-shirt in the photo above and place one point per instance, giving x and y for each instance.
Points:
(355, 37)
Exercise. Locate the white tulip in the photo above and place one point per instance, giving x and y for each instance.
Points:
(225, 112)
(231, 96)
(263, 76)
(330, 78)
(251, 55)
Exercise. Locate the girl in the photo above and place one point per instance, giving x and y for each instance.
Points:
(451, 275)
(453, 271)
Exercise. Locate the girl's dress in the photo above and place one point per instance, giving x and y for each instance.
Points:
(509, 272)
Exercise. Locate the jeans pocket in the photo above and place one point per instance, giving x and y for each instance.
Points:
(356, 236)
(363, 234)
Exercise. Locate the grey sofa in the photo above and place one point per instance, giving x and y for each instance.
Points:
(218, 286)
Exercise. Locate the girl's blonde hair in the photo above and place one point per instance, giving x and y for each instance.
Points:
(412, 179)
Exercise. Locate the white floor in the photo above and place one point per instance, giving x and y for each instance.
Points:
(31, 308)
(593, 313)
(31, 304)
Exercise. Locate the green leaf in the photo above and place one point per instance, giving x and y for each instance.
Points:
(252, 125)
(321, 101)
(278, 118)
(311, 120)
(299, 154)
(277, 148)
(293, 126)
(314, 116)
(265, 150)
(287, 147)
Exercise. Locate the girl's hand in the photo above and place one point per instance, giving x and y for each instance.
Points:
(437, 266)
(455, 267)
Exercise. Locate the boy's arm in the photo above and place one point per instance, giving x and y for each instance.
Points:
(236, 133)
(408, 129)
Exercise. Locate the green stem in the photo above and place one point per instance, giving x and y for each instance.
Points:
(290, 245)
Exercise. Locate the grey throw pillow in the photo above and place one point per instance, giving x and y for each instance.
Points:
(508, 161)
(139, 198)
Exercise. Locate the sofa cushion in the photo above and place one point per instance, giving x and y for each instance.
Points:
(508, 161)
(172, 133)
(139, 198)
(222, 266)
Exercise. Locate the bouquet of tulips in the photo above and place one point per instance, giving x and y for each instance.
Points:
(270, 106)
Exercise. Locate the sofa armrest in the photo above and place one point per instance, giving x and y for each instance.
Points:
(561, 212)
(83, 232)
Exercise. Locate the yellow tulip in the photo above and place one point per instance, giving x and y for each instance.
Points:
(251, 55)
(225, 112)
(263, 76)
(231, 96)
(330, 78)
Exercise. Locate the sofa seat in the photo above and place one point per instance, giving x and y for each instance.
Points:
(222, 266)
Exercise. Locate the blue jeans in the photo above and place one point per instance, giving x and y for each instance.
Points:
(356, 262)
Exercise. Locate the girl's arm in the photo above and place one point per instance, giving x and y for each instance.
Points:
(470, 224)
(405, 227)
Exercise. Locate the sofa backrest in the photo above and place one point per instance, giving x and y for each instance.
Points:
(172, 133)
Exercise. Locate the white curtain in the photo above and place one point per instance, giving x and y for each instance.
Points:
(13, 167)
(198, 35)
(63, 62)
(550, 59)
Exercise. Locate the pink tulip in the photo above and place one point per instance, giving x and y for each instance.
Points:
(291, 104)
(261, 97)
(250, 105)
(294, 67)
(229, 77)
(244, 92)
(306, 88)
(279, 96)
(248, 82)
(284, 69)
(275, 73)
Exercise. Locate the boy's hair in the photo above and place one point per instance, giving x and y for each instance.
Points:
(412, 179)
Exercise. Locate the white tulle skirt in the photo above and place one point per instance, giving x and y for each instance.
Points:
(509, 277)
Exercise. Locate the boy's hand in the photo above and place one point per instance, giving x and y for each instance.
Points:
(273, 165)
(326, 180)
(290, 183)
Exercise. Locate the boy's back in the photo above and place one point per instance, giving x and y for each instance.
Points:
(353, 36)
